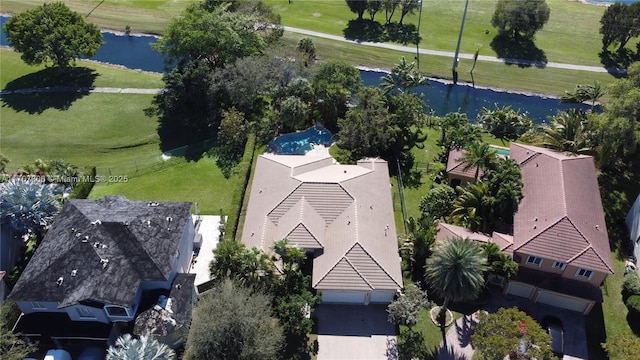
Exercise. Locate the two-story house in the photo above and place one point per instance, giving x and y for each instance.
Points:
(560, 236)
(98, 261)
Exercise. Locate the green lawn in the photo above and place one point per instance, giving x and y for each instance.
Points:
(200, 182)
(16, 74)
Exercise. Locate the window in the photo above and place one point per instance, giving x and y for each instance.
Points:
(534, 260)
(584, 273)
(559, 265)
(37, 305)
(86, 313)
(116, 311)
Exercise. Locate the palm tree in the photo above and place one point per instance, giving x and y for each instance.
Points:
(227, 259)
(499, 263)
(27, 205)
(480, 156)
(474, 207)
(145, 348)
(455, 270)
(402, 78)
(567, 131)
(257, 268)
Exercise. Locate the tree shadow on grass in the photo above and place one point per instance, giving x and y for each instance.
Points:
(402, 33)
(618, 60)
(518, 48)
(364, 30)
(49, 88)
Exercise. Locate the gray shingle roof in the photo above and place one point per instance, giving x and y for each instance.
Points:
(103, 249)
(560, 216)
(346, 210)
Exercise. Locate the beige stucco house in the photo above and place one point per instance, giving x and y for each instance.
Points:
(342, 214)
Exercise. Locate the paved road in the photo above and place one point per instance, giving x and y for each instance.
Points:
(460, 56)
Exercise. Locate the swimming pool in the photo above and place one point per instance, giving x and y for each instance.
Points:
(501, 150)
(301, 142)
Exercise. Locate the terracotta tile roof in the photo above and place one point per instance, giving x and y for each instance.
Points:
(560, 216)
(456, 167)
(346, 210)
(448, 231)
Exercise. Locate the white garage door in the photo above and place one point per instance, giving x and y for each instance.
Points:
(520, 290)
(561, 301)
(382, 296)
(343, 297)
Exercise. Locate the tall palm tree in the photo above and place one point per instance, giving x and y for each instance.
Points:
(481, 156)
(257, 268)
(568, 131)
(227, 259)
(455, 270)
(145, 348)
(474, 207)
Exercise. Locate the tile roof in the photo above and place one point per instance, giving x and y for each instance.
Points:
(446, 231)
(345, 210)
(102, 250)
(560, 216)
(456, 167)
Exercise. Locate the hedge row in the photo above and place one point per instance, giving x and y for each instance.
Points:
(244, 171)
(85, 185)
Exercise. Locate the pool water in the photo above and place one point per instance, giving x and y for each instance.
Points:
(501, 150)
(299, 143)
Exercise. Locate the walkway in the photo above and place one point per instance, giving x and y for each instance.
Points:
(108, 90)
(460, 56)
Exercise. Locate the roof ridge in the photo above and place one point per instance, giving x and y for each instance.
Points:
(564, 193)
(139, 244)
(590, 246)
(334, 266)
(355, 215)
(580, 253)
(374, 260)
(541, 232)
(531, 157)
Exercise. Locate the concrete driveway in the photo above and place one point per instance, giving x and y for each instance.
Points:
(354, 332)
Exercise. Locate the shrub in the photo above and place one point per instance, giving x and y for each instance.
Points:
(9, 313)
(85, 185)
(244, 171)
(631, 284)
(633, 304)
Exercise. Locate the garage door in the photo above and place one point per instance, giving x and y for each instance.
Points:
(343, 297)
(562, 301)
(382, 297)
(520, 290)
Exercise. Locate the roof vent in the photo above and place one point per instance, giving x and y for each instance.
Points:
(535, 218)
(597, 227)
(153, 203)
(60, 281)
(73, 229)
(78, 234)
(169, 219)
(104, 262)
(178, 286)
(74, 272)
(148, 222)
(98, 245)
(85, 239)
(345, 171)
(534, 227)
(126, 223)
(97, 222)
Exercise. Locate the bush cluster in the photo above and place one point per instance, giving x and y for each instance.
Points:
(244, 171)
(83, 187)
(633, 304)
(631, 284)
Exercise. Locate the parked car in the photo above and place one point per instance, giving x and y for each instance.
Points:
(553, 325)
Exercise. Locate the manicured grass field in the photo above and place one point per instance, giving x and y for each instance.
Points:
(569, 21)
(149, 16)
(16, 74)
(200, 182)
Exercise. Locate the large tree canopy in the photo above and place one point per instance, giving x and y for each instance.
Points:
(510, 332)
(619, 24)
(520, 18)
(216, 35)
(232, 322)
(52, 33)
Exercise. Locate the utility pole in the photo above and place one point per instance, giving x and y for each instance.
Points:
(455, 57)
(418, 37)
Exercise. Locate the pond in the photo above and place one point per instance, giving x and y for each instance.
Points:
(135, 52)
